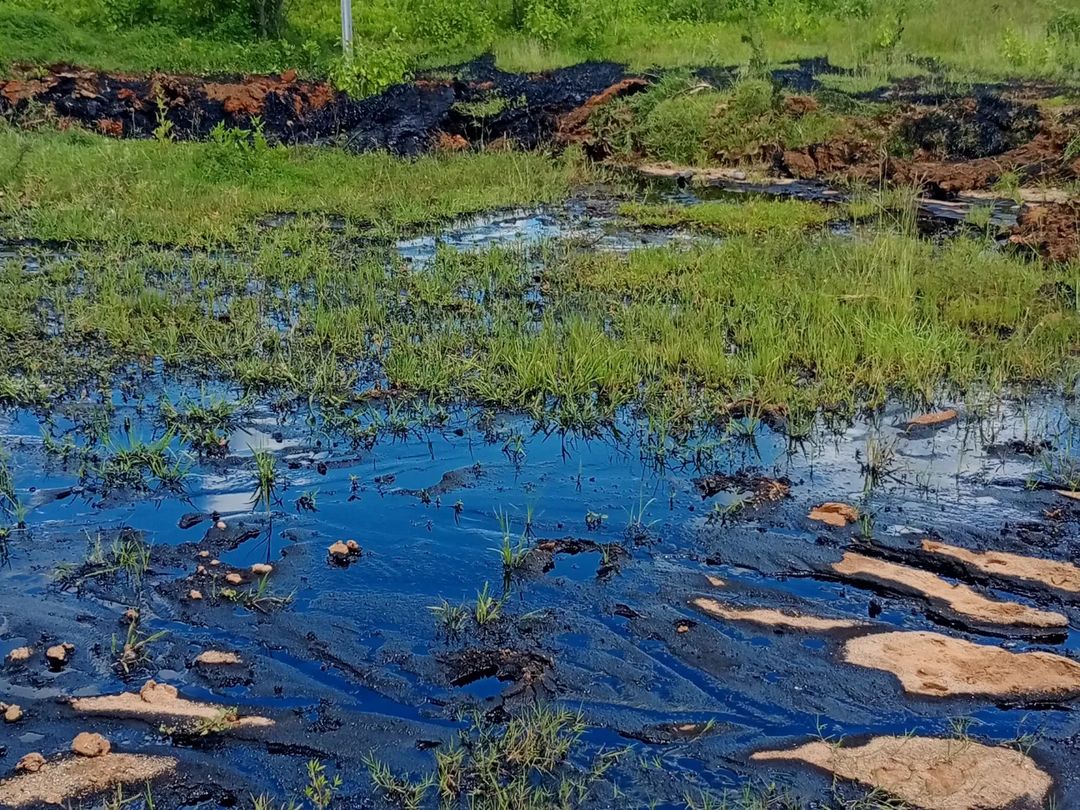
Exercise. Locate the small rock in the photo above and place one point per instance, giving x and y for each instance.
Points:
(13, 714)
(215, 563)
(58, 655)
(201, 570)
(204, 554)
(20, 655)
(234, 579)
(262, 569)
(90, 745)
(153, 692)
(220, 525)
(31, 763)
(344, 553)
(194, 595)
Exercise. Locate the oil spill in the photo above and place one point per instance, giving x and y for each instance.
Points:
(357, 661)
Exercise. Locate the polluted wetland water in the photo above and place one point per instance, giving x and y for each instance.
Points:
(232, 590)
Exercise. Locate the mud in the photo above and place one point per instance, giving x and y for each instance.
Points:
(960, 599)
(1060, 576)
(932, 774)
(64, 781)
(159, 702)
(429, 113)
(939, 666)
(1051, 230)
(773, 618)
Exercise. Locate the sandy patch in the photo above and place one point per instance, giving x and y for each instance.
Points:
(59, 782)
(961, 599)
(932, 419)
(217, 658)
(772, 618)
(930, 773)
(161, 702)
(838, 515)
(940, 666)
(1060, 575)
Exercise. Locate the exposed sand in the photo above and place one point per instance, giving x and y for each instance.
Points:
(59, 782)
(940, 666)
(932, 419)
(1061, 575)
(930, 773)
(959, 598)
(837, 515)
(213, 658)
(772, 618)
(160, 702)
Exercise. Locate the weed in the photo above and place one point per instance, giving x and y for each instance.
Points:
(452, 618)
(266, 479)
(134, 651)
(513, 555)
(487, 609)
(321, 790)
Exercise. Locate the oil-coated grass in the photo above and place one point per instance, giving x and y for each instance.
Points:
(77, 186)
(803, 319)
(734, 217)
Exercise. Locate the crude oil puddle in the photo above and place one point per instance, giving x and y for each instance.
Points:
(598, 616)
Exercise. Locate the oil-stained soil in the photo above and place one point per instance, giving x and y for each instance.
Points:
(675, 632)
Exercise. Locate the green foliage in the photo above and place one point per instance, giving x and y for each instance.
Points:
(367, 70)
(685, 120)
(453, 25)
(242, 154)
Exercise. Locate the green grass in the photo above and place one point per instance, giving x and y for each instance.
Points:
(970, 37)
(804, 319)
(734, 217)
(78, 186)
(684, 120)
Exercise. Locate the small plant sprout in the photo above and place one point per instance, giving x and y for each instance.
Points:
(488, 609)
(512, 554)
(451, 618)
(321, 790)
(265, 478)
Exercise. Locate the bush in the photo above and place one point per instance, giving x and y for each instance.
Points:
(368, 70)
(453, 24)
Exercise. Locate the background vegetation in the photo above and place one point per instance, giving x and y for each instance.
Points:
(986, 37)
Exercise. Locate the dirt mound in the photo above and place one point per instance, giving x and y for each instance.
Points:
(58, 783)
(940, 666)
(480, 106)
(1051, 230)
(960, 599)
(772, 618)
(930, 773)
(1060, 575)
(969, 128)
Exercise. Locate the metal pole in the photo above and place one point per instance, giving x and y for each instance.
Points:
(346, 25)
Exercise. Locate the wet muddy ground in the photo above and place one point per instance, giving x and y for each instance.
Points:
(699, 600)
(1015, 139)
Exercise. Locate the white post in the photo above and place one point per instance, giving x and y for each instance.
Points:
(346, 25)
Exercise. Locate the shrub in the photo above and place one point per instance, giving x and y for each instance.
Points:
(368, 70)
